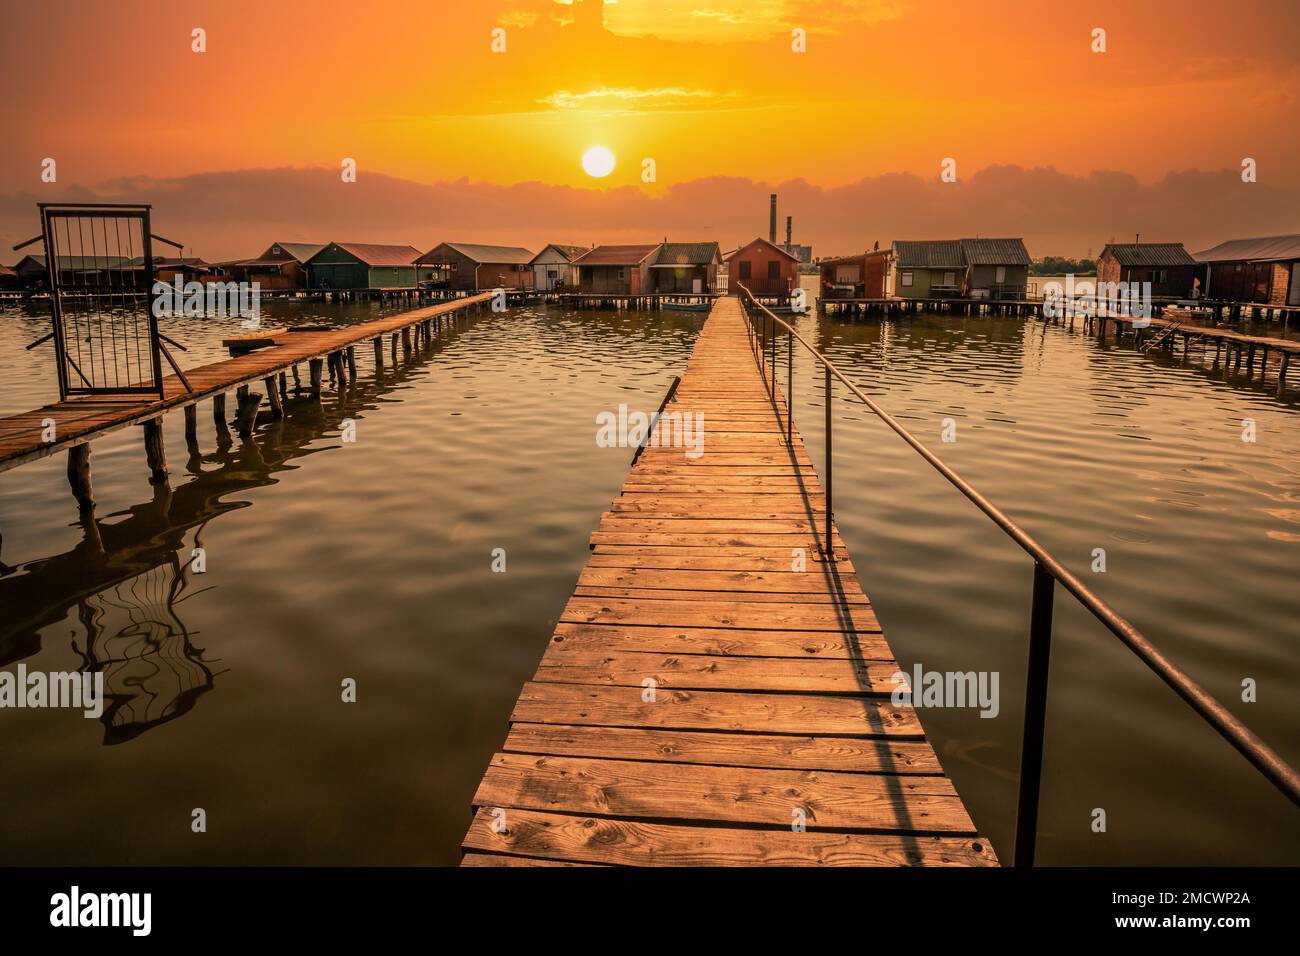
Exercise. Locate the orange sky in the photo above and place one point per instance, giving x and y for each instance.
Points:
(707, 88)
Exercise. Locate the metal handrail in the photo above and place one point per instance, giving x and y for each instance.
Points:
(1047, 572)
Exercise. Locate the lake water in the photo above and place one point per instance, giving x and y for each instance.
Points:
(372, 561)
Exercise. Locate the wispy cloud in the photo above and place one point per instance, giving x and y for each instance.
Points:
(607, 99)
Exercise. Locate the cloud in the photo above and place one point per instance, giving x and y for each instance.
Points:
(225, 215)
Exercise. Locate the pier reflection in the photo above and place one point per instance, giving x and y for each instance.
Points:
(128, 577)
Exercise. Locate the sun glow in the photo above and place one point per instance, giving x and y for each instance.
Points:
(598, 162)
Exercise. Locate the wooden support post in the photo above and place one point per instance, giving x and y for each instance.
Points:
(154, 449)
(247, 415)
(79, 476)
(315, 366)
(406, 340)
(191, 425)
(273, 395)
(392, 351)
(1281, 370)
(379, 351)
(284, 388)
(297, 381)
(219, 410)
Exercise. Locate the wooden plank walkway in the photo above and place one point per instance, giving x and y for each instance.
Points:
(770, 699)
(83, 419)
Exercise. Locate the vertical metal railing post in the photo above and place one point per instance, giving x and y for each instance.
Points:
(830, 462)
(1031, 750)
(789, 389)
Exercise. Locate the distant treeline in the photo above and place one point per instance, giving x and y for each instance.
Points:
(1059, 266)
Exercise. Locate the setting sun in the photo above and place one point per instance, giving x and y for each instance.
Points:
(598, 162)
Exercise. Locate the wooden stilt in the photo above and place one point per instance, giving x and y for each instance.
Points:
(315, 366)
(246, 417)
(154, 449)
(191, 425)
(379, 351)
(79, 476)
(273, 394)
(219, 410)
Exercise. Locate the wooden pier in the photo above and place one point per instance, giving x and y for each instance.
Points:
(71, 425)
(717, 689)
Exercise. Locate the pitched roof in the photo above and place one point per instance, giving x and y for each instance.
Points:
(569, 252)
(506, 255)
(6, 271)
(673, 254)
(616, 255)
(1267, 248)
(302, 251)
(373, 254)
(995, 252)
(760, 240)
(1149, 253)
(929, 254)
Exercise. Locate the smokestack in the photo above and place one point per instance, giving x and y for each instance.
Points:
(771, 222)
(789, 233)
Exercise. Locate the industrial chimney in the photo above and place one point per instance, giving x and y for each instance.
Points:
(789, 233)
(771, 222)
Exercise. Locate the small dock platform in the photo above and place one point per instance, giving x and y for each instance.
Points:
(717, 689)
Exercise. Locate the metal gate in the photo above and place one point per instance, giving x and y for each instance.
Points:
(100, 267)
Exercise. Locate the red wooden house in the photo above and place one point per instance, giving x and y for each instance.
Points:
(764, 268)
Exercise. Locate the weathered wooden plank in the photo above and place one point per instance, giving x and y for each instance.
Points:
(594, 839)
(567, 662)
(773, 616)
(774, 798)
(782, 751)
(726, 642)
(547, 703)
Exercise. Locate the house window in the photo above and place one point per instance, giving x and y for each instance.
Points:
(1001, 275)
(746, 267)
(622, 274)
(907, 280)
(950, 278)
(774, 270)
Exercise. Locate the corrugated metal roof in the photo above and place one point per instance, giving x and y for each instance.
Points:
(995, 252)
(929, 254)
(1149, 253)
(1265, 249)
(506, 255)
(686, 254)
(616, 255)
(373, 254)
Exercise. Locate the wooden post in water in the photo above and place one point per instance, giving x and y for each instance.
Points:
(246, 417)
(379, 351)
(219, 410)
(352, 362)
(79, 476)
(154, 450)
(297, 381)
(273, 395)
(191, 425)
(315, 365)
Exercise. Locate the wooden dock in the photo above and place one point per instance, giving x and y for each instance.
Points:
(705, 699)
(27, 436)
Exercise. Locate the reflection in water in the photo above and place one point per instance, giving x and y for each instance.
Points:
(128, 574)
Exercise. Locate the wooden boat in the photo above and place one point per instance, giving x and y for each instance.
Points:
(686, 306)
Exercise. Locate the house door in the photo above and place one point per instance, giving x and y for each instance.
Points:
(101, 274)
(697, 285)
(1293, 289)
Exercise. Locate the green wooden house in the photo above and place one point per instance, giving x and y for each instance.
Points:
(363, 265)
